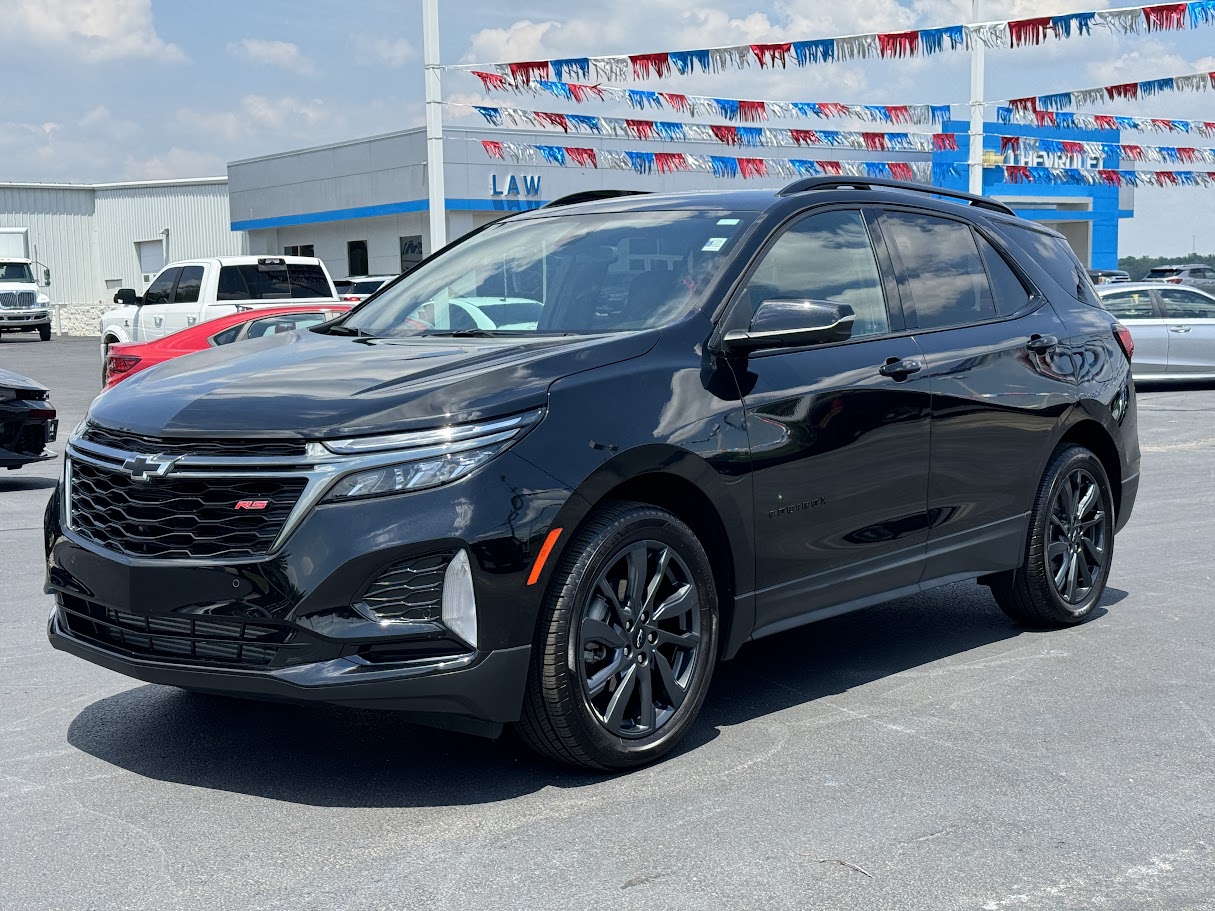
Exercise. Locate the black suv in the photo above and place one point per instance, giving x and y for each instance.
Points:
(558, 471)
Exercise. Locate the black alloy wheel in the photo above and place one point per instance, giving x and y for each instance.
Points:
(626, 641)
(1070, 546)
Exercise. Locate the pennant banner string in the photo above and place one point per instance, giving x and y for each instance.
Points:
(1102, 150)
(1078, 98)
(1069, 120)
(1011, 33)
(725, 108)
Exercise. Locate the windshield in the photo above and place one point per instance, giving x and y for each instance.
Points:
(1165, 270)
(562, 274)
(16, 272)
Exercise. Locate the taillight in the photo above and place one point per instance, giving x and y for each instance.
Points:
(119, 364)
(352, 297)
(1123, 335)
(1173, 281)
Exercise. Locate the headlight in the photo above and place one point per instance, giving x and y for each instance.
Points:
(7, 394)
(424, 459)
(43, 300)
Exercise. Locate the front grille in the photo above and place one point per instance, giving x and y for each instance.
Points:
(179, 640)
(409, 589)
(145, 445)
(176, 517)
(18, 299)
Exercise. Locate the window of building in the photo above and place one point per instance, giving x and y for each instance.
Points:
(299, 250)
(825, 257)
(411, 251)
(356, 257)
(942, 270)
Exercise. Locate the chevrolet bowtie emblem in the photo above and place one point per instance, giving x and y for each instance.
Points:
(144, 468)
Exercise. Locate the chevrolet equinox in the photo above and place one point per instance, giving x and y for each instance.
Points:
(554, 474)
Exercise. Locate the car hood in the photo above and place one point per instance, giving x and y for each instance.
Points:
(10, 380)
(18, 286)
(304, 384)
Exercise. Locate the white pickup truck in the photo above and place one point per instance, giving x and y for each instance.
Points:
(196, 290)
(23, 308)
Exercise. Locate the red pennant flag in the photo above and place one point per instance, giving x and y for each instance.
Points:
(528, 70)
(553, 120)
(1045, 118)
(1010, 142)
(899, 44)
(804, 137)
(492, 148)
(874, 142)
(752, 111)
(833, 109)
(831, 167)
(728, 135)
(1188, 155)
(1072, 148)
(677, 102)
(584, 157)
(1167, 17)
(901, 170)
(945, 142)
(644, 64)
(1029, 31)
(1126, 90)
(1166, 125)
(668, 162)
(753, 167)
(1024, 104)
(640, 129)
(1134, 153)
(1166, 178)
(1105, 122)
(899, 113)
(583, 93)
(1109, 177)
(1017, 173)
(491, 81)
(772, 53)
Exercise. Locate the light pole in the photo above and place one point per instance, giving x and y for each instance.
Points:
(434, 125)
(975, 158)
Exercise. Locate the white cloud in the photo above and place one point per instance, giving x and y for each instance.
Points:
(175, 163)
(94, 30)
(256, 116)
(391, 52)
(282, 54)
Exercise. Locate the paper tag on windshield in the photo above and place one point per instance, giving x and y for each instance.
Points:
(713, 244)
(727, 221)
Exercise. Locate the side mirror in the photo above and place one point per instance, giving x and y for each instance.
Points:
(46, 277)
(792, 324)
(127, 297)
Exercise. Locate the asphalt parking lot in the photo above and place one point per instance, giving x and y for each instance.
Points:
(925, 754)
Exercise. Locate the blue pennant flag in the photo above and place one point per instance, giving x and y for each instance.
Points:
(1065, 120)
(1041, 175)
(557, 89)
(723, 166)
(642, 162)
(829, 137)
(1202, 12)
(1004, 114)
(1127, 123)
(807, 109)
(575, 66)
(1110, 150)
(493, 115)
(750, 136)
(941, 173)
(900, 141)
(1187, 178)
(585, 122)
(670, 130)
(877, 169)
(1050, 146)
(879, 111)
(940, 113)
(1181, 126)
(1154, 86)
(1170, 154)
(806, 167)
(932, 40)
(1075, 175)
(807, 52)
(687, 61)
(1083, 23)
(640, 99)
(554, 154)
(727, 108)
(1056, 102)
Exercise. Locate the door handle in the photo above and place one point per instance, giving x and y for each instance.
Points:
(158, 320)
(1179, 328)
(900, 367)
(1042, 343)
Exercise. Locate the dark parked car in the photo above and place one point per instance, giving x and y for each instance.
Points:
(1198, 274)
(27, 421)
(721, 416)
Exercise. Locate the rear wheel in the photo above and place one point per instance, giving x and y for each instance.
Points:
(1070, 546)
(626, 642)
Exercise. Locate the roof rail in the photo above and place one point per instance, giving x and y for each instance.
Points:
(572, 199)
(868, 183)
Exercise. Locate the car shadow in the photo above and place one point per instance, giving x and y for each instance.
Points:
(336, 757)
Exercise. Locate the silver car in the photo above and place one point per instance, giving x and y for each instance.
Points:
(1196, 274)
(1173, 328)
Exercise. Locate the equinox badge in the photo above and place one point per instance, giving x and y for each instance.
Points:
(144, 468)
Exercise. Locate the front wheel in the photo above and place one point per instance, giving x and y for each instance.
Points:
(1070, 546)
(626, 643)
(44, 333)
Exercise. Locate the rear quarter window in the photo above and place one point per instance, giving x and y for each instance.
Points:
(1054, 255)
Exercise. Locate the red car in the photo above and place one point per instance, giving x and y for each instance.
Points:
(127, 358)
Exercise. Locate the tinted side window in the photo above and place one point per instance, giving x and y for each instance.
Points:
(227, 337)
(825, 257)
(1130, 305)
(272, 325)
(1007, 289)
(942, 270)
(1055, 256)
(188, 285)
(1179, 304)
(308, 280)
(161, 289)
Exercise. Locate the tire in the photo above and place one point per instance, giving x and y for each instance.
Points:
(1067, 556)
(592, 665)
(44, 333)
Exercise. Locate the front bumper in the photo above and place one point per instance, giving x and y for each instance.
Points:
(24, 319)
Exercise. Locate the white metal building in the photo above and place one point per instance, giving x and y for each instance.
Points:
(96, 238)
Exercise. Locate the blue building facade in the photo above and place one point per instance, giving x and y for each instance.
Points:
(1087, 216)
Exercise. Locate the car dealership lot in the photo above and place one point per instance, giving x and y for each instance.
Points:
(922, 754)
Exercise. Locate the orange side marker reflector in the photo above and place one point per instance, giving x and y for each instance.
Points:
(545, 550)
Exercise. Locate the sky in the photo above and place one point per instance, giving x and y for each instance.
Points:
(102, 90)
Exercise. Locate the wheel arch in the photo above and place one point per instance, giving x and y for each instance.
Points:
(1089, 433)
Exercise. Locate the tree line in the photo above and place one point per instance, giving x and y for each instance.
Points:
(1139, 266)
